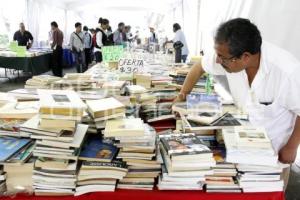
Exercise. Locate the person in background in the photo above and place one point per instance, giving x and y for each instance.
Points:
(56, 46)
(77, 47)
(180, 37)
(118, 34)
(101, 39)
(87, 45)
(153, 37)
(110, 36)
(23, 37)
(129, 36)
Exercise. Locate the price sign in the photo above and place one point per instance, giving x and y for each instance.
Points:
(131, 65)
(112, 53)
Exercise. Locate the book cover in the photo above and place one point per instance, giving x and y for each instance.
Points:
(61, 102)
(104, 107)
(9, 146)
(95, 149)
(183, 144)
(203, 101)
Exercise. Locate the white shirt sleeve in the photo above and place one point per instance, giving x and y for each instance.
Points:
(99, 39)
(176, 37)
(210, 65)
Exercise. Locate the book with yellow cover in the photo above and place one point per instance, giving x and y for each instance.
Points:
(105, 107)
(61, 102)
(124, 127)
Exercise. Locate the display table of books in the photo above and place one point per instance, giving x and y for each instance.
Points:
(35, 62)
(106, 135)
(160, 195)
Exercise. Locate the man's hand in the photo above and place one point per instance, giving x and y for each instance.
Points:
(180, 98)
(287, 154)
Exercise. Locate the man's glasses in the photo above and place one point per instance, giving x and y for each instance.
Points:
(227, 60)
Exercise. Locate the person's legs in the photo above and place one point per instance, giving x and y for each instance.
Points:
(57, 62)
(87, 53)
(77, 61)
(83, 62)
(97, 56)
(60, 60)
(183, 58)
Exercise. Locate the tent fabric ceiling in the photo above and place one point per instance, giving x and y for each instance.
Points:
(77, 5)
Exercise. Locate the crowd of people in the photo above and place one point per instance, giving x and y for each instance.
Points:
(86, 44)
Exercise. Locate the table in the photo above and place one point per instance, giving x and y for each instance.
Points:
(35, 65)
(159, 195)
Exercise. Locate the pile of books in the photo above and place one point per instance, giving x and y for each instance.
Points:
(76, 81)
(15, 153)
(104, 109)
(99, 170)
(138, 149)
(257, 161)
(135, 90)
(19, 177)
(59, 136)
(41, 82)
(143, 80)
(187, 161)
(224, 177)
(114, 87)
(259, 178)
(162, 83)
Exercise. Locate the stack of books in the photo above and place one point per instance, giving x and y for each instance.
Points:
(56, 167)
(99, 170)
(19, 177)
(41, 82)
(162, 83)
(114, 87)
(259, 178)
(138, 148)
(19, 110)
(96, 176)
(249, 145)
(187, 161)
(135, 90)
(74, 81)
(105, 109)
(59, 136)
(224, 177)
(143, 80)
(257, 161)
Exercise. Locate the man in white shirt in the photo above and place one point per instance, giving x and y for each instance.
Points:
(77, 47)
(263, 80)
(180, 37)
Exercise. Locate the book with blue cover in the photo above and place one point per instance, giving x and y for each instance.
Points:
(95, 149)
(204, 102)
(9, 146)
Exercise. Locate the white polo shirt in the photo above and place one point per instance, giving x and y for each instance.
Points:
(273, 100)
(179, 36)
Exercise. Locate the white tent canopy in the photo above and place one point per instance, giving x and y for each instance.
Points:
(198, 18)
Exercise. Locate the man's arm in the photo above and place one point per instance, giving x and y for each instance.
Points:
(192, 78)
(288, 153)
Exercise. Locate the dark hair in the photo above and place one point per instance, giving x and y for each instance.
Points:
(103, 21)
(176, 26)
(241, 36)
(121, 24)
(85, 28)
(54, 24)
(77, 24)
